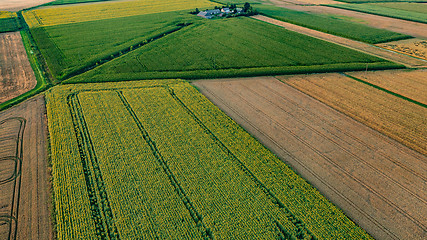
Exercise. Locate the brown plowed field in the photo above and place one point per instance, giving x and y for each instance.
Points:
(16, 74)
(377, 181)
(16, 5)
(406, 60)
(414, 29)
(409, 83)
(397, 118)
(28, 194)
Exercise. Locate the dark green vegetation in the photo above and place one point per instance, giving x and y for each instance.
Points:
(70, 48)
(231, 47)
(382, 10)
(9, 24)
(331, 24)
(63, 2)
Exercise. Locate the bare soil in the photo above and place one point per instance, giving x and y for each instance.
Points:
(29, 192)
(16, 74)
(16, 5)
(378, 182)
(414, 29)
(403, 59)
(414, 47)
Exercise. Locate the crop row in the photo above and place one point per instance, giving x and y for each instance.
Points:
(169, 170)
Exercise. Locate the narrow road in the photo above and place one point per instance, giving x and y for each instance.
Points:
(406, 60)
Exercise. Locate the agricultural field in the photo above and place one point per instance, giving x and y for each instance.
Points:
(415, 47)
(394, 116)
(8, 22)
(156, 159)
(362, 171)
(16, 5)
(229, 47)
(64, 2)
(16, 74)
(331, 24)
(408, 83)
(416, 12)
(108, 10)
(24, 173)
(70, 48)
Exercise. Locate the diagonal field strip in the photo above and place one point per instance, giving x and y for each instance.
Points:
(406, 60)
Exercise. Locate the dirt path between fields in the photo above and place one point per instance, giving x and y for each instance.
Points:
(16, 5)
(378, 182)
(408, 61)
(414, 29)
(16, 74)
(32, 195)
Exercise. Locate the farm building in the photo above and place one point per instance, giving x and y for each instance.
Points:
(209, 13)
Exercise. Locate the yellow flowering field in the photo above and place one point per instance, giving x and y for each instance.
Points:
(7, 14)
(83, 13)
(157, 160)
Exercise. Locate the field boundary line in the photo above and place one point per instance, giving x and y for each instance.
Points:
(95, 184)
(195, 215)
(349, 134)
(385, 90)
(300, 228)
(16, 179)
(314, 174)
(362, 183)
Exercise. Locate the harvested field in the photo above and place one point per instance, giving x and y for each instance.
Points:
(411, 84)
(395, 117)
(414, 47)
(16, 5)
(377, 181)
(24, 196)
(396, 25)
(352, 44)
(16, 74)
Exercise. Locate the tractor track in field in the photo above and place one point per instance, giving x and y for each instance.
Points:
(400, 58)
(377, 225)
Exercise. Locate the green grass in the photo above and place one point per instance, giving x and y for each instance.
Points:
(157, 160)
(9, 24)
(411, 7)
(231, 47)
(71, 47)
(382, 10)
(332, 24)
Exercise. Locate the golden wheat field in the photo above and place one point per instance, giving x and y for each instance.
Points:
(399, 119)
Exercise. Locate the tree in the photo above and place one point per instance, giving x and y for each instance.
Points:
(246, 7)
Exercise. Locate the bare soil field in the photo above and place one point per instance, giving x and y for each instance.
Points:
(25, 200)
(409, 83)
(414, 29)
(16, 74)
(414, 47)
(16, 5)
(378, 182)
(403, 59)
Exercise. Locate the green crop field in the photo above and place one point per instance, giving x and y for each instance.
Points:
(71, 47)
(331, 24)
(406, 13)
(156, 159)
(230, 47)
(9, 24)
